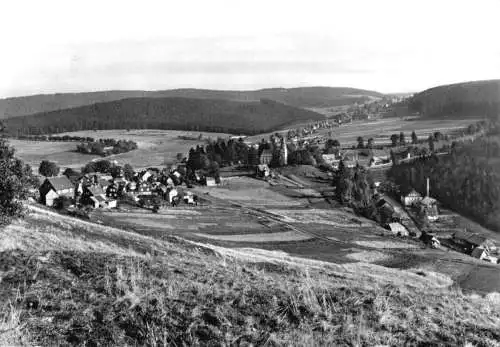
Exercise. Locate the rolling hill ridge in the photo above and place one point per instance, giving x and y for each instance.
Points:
(298, 97)
(166, 113)
(469, 99)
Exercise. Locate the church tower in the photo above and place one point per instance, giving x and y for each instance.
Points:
(284, 151)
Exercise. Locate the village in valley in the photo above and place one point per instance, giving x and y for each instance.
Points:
(250, 174)
(304, 169)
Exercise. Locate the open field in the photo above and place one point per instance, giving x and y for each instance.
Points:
(155, 147)
(159, 146)
(247, 190)
(236, 218)
(382, 129)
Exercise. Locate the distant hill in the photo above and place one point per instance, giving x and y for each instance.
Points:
(470, 99)
(166, 113)
(299, 97)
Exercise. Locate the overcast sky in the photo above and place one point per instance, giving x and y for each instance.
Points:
(389, 46)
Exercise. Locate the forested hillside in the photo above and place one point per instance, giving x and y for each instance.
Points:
(165, 113)
(471, 99)
(465, 181)
(298, 97)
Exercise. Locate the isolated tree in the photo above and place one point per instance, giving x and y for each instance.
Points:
(370, 143)
(394, 140)
(393, 158)
(103, 166)
(16, 179)
(414, 137)
(361, 142)
(402, 140)
(69, 172)
(179, 156)
(116, 171)
(438, 136)
(431, 143)
(48, 168)
(62, 202)
(128, 171)
(89, 168)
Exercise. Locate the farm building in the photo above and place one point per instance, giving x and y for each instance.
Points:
(53, 187)
(469, 241)
(412, 198)
(96, 197)
(266, 157)
(429, 207)
(398, 229)
(210, 182)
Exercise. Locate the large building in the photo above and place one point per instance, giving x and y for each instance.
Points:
(54, 187)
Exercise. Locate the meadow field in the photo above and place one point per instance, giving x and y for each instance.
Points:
(159, 146)
(382, 129)
(251, 214)
(155, 147)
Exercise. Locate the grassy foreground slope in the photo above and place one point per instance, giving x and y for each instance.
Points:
(65, 281)
(469, 99)
(298, 97)
(167, 113)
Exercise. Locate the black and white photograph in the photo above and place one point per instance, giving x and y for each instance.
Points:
(250, 173)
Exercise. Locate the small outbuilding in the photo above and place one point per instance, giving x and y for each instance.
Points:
(210, 182)
(398, 229)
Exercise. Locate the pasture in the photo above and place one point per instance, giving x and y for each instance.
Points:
(156, 147)
(250, 214)
(382, 129)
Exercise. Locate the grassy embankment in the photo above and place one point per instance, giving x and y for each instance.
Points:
(68, 281)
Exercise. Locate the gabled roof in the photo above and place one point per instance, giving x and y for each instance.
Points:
(100, 198)
(413, 193)
(103, 182)
(428, 201)
(60, 183)
(95, 190)
(478, 252)
(396, 227)
(473, 238)
(378, 153)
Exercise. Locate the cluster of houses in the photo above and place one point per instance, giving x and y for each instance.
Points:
(364, 157)
(100, 190)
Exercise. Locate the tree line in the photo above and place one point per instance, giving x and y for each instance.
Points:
(465, 180)
(105, 147)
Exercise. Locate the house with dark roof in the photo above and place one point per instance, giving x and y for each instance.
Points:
(96, 197)
(54, 187)
(469, 241)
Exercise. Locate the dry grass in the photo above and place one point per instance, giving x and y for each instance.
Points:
(386, 244)
(135, 290)
(368, 256)
(284, 236)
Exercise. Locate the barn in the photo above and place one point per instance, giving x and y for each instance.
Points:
(53, 187)
(469, 241)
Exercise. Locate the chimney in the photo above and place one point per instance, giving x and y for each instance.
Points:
(427, 186)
